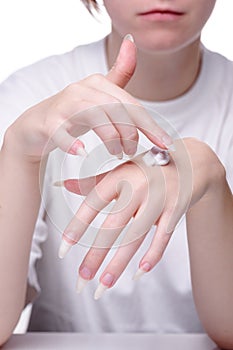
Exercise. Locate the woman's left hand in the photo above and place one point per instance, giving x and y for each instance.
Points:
(150, 195)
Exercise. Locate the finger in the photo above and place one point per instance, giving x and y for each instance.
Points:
(95, 201)
(112, 227)
(138, 115)
(117, 265)
(111, 122)
(148, 125)
(157, 248)
(125, 64)
(67, 143)
(128, 246)
(125, 126)
(81, 186)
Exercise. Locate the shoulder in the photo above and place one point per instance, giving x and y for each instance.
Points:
(218, 65)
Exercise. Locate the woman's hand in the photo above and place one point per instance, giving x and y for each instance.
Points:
(157, 195)
(97, 102)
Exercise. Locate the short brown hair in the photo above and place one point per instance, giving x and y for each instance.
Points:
(91, 5)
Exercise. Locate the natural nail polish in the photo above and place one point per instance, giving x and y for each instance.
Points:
(119, 156)
(146, 267)
(100, 291)
(81, 284)
(129, 37)
(106, 282)
(58, 184)
(64, 249)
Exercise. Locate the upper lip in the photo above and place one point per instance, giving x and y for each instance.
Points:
(162, 10)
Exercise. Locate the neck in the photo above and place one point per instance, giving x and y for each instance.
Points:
(160, 76)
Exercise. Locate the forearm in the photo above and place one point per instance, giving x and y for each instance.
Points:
(19, 204)
(210, 238)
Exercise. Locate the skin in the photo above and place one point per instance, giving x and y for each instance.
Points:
(157, 46)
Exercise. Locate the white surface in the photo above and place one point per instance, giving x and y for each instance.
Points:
(31, 30)
(66, 341)
(24, 320)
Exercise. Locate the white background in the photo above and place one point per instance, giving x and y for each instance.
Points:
(33, 29)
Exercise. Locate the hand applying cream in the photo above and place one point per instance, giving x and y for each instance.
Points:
(156, 156)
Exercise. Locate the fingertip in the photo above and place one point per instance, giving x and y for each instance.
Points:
(78, 148)
(64, 249)
(129, 37)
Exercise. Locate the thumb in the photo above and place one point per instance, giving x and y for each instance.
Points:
(81, 186)
(125, 64)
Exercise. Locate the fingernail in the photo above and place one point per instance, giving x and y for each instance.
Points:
(120, 155)
(85, 272)
(129, 37)
(107, 279)
(106, 282)
(168, 142)
(81, 152)
(78, 148)
(58, 184)
(100, 291)
(81, 283)
(146, 267)
(64, 249)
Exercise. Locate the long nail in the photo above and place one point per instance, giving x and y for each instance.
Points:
(81, 284)
(138, 274)
(129, 37)
(100, 291)
(78, 148)
(119, 156)
(81, 152)
(168, 142)
(58, 183)
(64, 249)
(146, 267)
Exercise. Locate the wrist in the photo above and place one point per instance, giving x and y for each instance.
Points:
(12, 148)
(209, 174)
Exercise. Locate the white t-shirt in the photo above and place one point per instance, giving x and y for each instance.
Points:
(162, 300)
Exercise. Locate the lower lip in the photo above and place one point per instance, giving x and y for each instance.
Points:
(161, 16)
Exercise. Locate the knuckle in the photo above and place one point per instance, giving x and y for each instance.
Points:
(132, 135)
(111, 135)
(96, 79)
(71, 89)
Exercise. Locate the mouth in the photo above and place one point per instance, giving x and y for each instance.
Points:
(161, 14)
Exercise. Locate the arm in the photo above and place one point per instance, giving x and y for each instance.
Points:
(19, 205)
(210, 237)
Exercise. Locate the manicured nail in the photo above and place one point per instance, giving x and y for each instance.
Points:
(78, 148)
(119, 156)
(100, 291)
(64, 249)
(58, 184)
(129, 37)
(106, 282)
(85, 273)
(81, 283)
(168, 142)
(141, 271)
(81, 152)
(138, 274)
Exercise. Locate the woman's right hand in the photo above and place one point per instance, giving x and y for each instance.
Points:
(97, 102)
